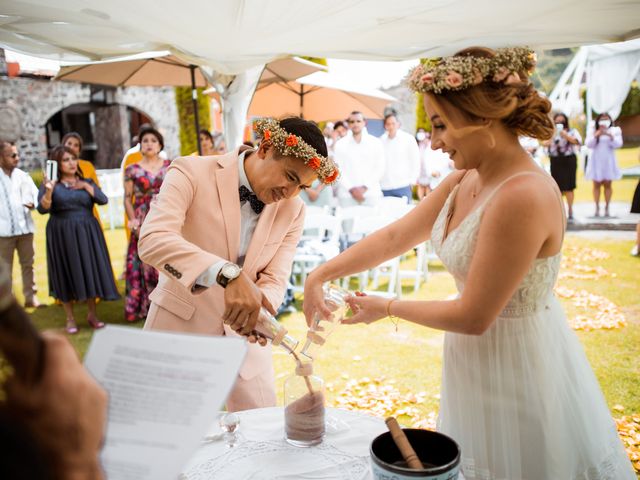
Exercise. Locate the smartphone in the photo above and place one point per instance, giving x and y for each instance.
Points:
(559, 127)
(51, 170)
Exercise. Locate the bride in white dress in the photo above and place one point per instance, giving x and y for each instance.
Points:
(518, 394)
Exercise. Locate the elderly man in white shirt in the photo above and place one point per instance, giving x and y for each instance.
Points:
(361, 160)
(402, 160)
(18, 196)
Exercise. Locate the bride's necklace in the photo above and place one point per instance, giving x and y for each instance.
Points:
(68, 184)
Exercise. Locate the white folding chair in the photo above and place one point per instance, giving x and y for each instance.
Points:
(112, 186)
(363, 226)
(320, 241)
(323, 227)
(392, 206)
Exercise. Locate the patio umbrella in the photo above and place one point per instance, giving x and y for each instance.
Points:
(153, 69)
(318, 96)
(157, 69)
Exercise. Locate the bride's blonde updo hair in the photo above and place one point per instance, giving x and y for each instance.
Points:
(480, 93)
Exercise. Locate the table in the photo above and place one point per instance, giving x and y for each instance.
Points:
(262, 452)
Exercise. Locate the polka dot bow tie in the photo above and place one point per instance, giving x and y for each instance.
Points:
(246, 194)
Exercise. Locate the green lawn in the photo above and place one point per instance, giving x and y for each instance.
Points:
(409, 361)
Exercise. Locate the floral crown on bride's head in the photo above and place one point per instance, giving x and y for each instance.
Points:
(291, 145)
(464, 71)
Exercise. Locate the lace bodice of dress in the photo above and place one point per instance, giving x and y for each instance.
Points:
(457, 249)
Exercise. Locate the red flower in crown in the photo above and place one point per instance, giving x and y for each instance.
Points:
(314, 163)
(267, 134)
(291, 141)
(331, 178)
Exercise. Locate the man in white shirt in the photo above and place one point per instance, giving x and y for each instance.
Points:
(402, 160)
(18, 196)
(361, 160)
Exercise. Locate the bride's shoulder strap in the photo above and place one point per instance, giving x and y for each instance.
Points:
(519, 174)
(508, 179)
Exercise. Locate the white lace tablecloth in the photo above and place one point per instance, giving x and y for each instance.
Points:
(262, 452)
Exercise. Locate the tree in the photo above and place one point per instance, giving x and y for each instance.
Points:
(188, 134)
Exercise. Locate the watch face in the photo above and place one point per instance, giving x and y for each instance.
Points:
(230, 271)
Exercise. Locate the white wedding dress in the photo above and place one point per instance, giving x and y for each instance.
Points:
(521, 399)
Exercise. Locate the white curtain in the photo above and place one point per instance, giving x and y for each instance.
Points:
(609, 81)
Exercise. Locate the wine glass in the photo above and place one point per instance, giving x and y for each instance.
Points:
(230, 423)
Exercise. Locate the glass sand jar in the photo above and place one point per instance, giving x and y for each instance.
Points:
(273, 330)
(321, 327)
(304, 410)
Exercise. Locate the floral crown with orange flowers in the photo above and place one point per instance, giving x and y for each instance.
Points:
(464, 71)
(288, 144)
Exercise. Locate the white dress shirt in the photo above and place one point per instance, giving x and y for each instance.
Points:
(402, 160)
(248, 222)
(16, 190)
(361, 164)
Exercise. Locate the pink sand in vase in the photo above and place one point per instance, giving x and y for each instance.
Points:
(304, 419)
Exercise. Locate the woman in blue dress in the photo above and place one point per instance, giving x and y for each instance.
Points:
(77, 256)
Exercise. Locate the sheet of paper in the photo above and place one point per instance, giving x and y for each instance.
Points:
(165, 391)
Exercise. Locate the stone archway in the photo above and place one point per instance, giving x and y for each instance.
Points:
(105, 128)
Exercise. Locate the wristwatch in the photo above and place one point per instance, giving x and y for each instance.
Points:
(228, 272)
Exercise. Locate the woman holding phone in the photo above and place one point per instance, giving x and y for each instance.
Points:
(77, 257)
(603, 167)
(562, 149)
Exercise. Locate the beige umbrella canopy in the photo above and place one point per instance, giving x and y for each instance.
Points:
(139, 70)
(319, 96)
(152, 69)
(163, 69)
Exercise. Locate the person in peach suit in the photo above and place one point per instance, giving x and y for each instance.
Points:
(223, 231)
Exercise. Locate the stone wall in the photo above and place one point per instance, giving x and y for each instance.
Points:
(26, 104)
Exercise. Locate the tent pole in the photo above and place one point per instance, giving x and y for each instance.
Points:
(194, 99)
(301, 101)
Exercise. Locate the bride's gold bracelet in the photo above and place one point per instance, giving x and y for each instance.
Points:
(393, 318)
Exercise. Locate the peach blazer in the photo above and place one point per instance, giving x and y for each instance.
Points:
(193, 223)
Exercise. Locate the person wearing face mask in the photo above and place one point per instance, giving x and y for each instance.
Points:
(603, 168)
(518, 394)
(562, 150)
(142, 183)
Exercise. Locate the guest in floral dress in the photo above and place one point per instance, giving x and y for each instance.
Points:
(142, 182)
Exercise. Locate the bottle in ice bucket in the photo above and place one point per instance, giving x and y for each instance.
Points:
(304, 407)
(321, 327)
(273, 330)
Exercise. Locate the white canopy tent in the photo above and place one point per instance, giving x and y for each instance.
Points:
(609, 70)
(237, 38)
